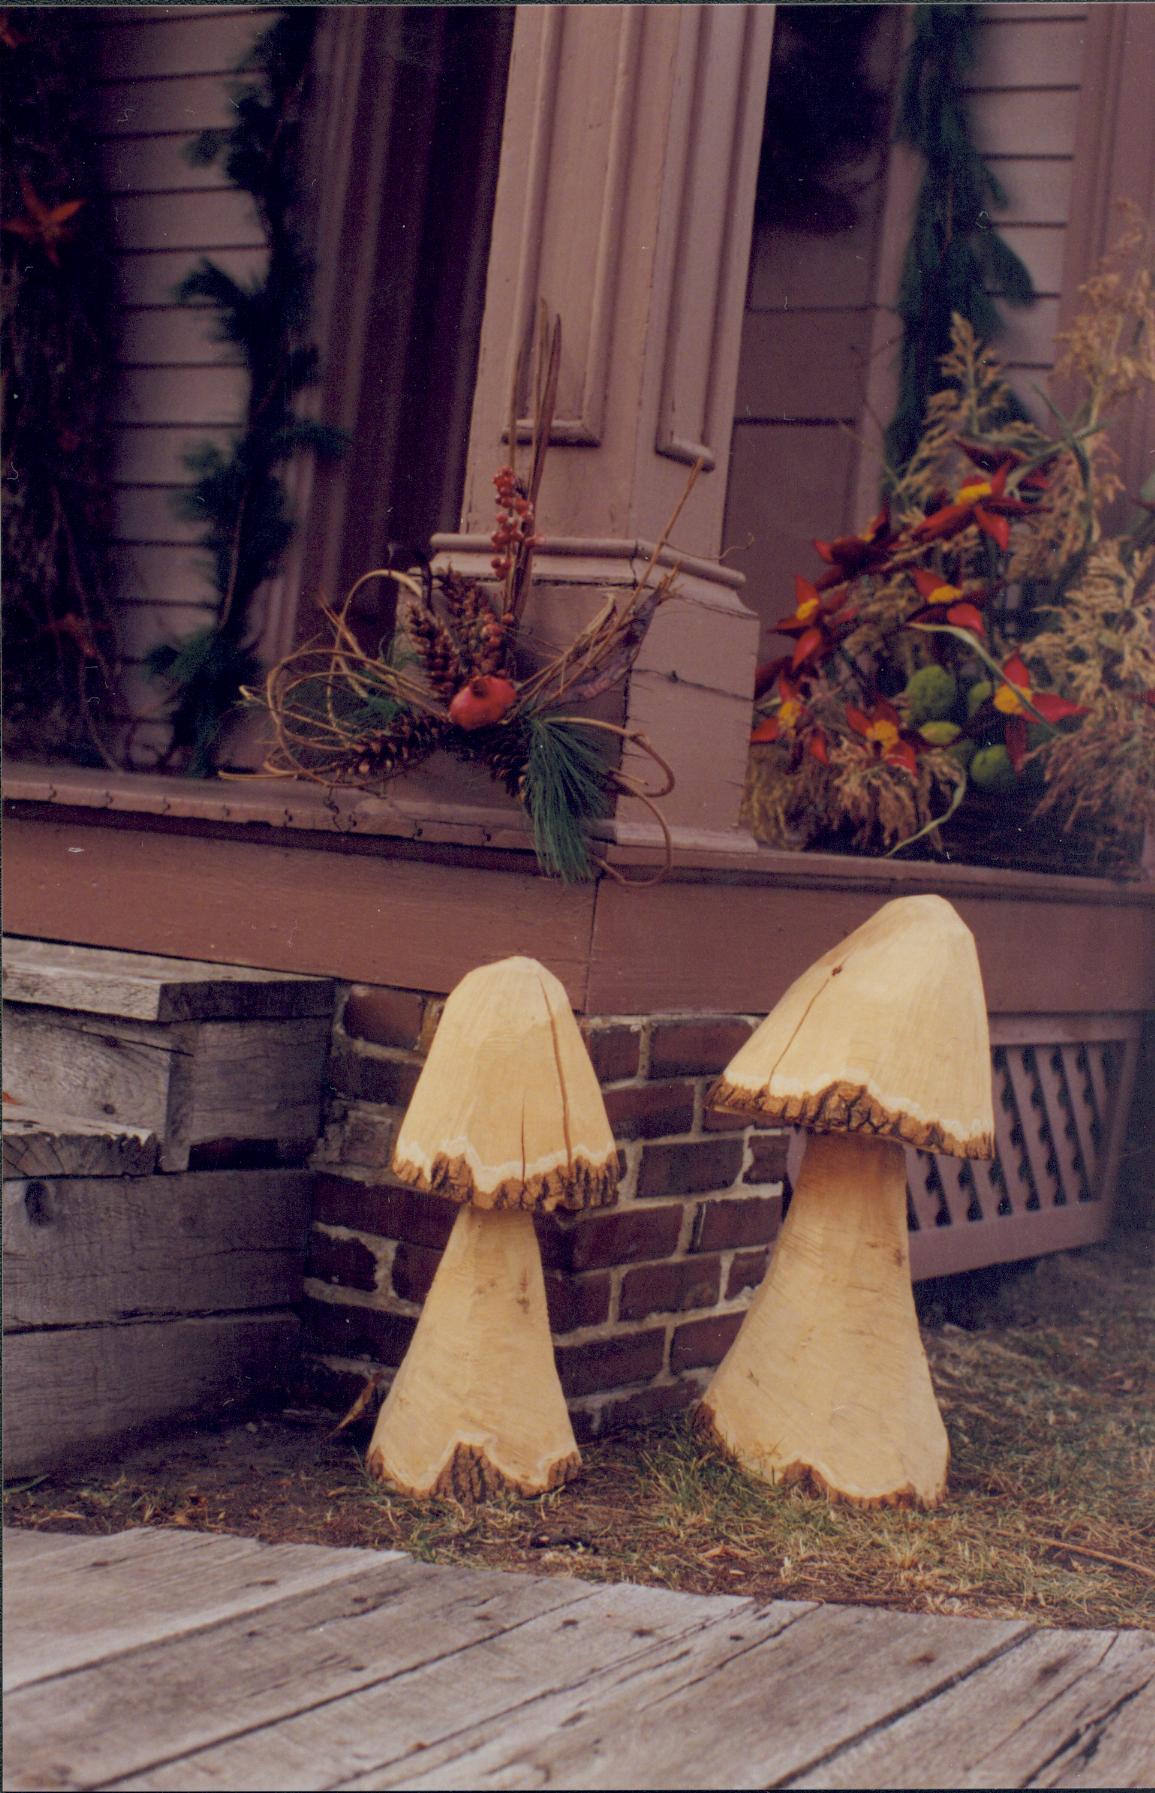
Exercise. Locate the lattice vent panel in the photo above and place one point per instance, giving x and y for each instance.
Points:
(1053, 1109)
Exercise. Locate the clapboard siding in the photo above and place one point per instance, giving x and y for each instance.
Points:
(163, 75)
(819, 321)
(173, 336)
(220, 218)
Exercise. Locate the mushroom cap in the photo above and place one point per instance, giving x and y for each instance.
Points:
(507, 1112)
(885, 1034)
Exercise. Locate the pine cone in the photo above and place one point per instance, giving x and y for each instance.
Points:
(386, 752)
(437, 650)
(506, 751)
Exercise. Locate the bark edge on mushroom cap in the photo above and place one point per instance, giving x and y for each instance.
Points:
(848, 1108)
(885, 1035)
(508, 1112)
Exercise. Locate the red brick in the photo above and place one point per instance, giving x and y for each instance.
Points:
(715, 1122)
(689, 1168)
(611, 1363)
(577, 1300)
(386, 1017)
(703, 1341)
(650, 1111)
(390, 1081)
(693, 1048)
(768, 1163)
(366, 1137)
(670, 1288)
(747, 1220)
(348, 1331)
(348, 1262)
(386, 1209)
(414, 1267)
(646, 1407)
(614, 1050)
(747, 1268)
(626, 1236)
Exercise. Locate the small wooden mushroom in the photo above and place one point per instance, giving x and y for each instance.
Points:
(507, 1119)
(883, 1041)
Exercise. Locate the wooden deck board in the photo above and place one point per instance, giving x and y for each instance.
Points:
(192, 1580)
(158, 1659)
(1048, 1709)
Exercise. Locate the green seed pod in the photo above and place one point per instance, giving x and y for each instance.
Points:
(930, 694)
(991, 769)
(977, 696)
(939, 734)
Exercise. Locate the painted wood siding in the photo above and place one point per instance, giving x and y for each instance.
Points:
(163, 75)
(816, 377)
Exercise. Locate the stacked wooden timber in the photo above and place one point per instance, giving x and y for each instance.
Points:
(157, 1118)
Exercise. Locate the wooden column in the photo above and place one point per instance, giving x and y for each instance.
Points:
(624, 200)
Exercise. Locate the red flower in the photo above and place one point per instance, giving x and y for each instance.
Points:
(940, 598)
(45, 225)
(792, 721)
(849, 555)
(1009, 699)
(980, 501)
(810, 622)
(881, 727)
(991, 459)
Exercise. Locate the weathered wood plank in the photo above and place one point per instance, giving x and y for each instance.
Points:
(1032, 1718)
(37, 1144)
(255, 1080)
(97, 1069)
(401, 1720)
(143, 1709)
(71, 1392)
(743, 1703)
(146, 987)
(188, 1083)
(21, 1547)
(108, 1595)
(103, 1251)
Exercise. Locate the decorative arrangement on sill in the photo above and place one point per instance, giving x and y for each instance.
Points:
(458, 677)
(239, 495)
(975, 673)
(58, 343)
(507, 1120)
(827, 1382)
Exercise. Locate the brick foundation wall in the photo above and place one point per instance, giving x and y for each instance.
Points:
(644, 1298)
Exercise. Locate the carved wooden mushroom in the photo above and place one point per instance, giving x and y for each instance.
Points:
(507, 1119)
(883, 1041)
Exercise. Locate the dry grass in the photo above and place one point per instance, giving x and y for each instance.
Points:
(1048, 1404)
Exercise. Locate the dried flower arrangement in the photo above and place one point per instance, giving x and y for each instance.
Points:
(975, 673)
(458, 676)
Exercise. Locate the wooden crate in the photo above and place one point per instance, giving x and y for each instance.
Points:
(200, 1055)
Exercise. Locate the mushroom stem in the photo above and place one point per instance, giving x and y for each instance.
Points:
(476, 1406)
(827, 1380)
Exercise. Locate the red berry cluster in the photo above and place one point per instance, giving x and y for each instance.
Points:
(514, 530)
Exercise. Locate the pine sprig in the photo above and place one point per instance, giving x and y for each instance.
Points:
(564, 787)
(955, 259)
(238, 494)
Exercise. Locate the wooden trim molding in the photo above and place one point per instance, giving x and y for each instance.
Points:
(713, 161)
(585, 422)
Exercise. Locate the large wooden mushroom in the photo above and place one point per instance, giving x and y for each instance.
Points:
(507, 1119)
(883, 1041)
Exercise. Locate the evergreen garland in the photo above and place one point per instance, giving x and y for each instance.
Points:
(240, 495)
(955, 258)
(58, 344)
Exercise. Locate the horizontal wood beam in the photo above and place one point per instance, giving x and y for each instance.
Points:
(727, 935)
